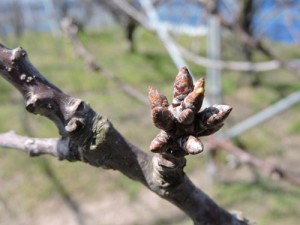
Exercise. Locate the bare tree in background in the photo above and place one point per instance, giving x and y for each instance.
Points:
(64, 9)
(127, 22)
(241, 27)
(17, 18)
(245, 19)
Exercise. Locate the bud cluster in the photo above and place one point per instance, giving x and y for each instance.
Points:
(183, 121)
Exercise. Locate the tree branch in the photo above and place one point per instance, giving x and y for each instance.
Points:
(229, 65)
(70, 30)
(91, 138)
(243, 157)
(33, 146)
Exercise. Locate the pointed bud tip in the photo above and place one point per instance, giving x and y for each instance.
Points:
(200, 82)
(199, 87)
(151, 88)
(184, 69)
(156, 98)
(224, 108)
(183, 85)
(184, 75)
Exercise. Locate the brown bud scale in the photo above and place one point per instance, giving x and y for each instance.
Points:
(195, 99)
(160, 143)
(191, 145)
(186, 117)
(183, 85)
(163, 118)
(156, 98)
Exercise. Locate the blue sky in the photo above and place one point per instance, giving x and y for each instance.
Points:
(273, 20)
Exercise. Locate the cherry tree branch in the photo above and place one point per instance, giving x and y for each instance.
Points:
(33, 146)
(229, 65)
(88, 137)
(243, 157)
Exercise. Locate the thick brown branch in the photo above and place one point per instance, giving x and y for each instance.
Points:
(91, 138)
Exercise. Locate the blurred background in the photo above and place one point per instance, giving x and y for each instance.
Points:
(248, 52)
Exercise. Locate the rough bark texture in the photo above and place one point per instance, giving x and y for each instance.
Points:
(87, 136)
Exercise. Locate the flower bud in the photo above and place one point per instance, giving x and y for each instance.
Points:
(160, 143)
(215, 114)
(156, 98)
(191, 145)
(194, 99)
(183, 85)
(210, 130)
(186, 117)
(163, 118)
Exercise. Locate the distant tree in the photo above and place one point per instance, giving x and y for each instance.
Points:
(65, 9)
(17, 18)
(127, 22)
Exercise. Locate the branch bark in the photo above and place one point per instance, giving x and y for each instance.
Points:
(88, 137)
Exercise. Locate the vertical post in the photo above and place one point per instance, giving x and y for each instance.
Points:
(213, 79)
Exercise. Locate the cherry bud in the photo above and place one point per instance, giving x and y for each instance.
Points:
(160, 143)
(215, 114)
(194, 99)
(191, 145)
(186, 117)
(210, 130)
(156, 98)
(183, 85)
(163, 118)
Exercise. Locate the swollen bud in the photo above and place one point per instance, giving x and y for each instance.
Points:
(183, 85)
(186, 117)
(195, 99)
(215, 114)
(210, 130)
(191, 145)
(156, 98)
(163, 118)
(160, 143)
